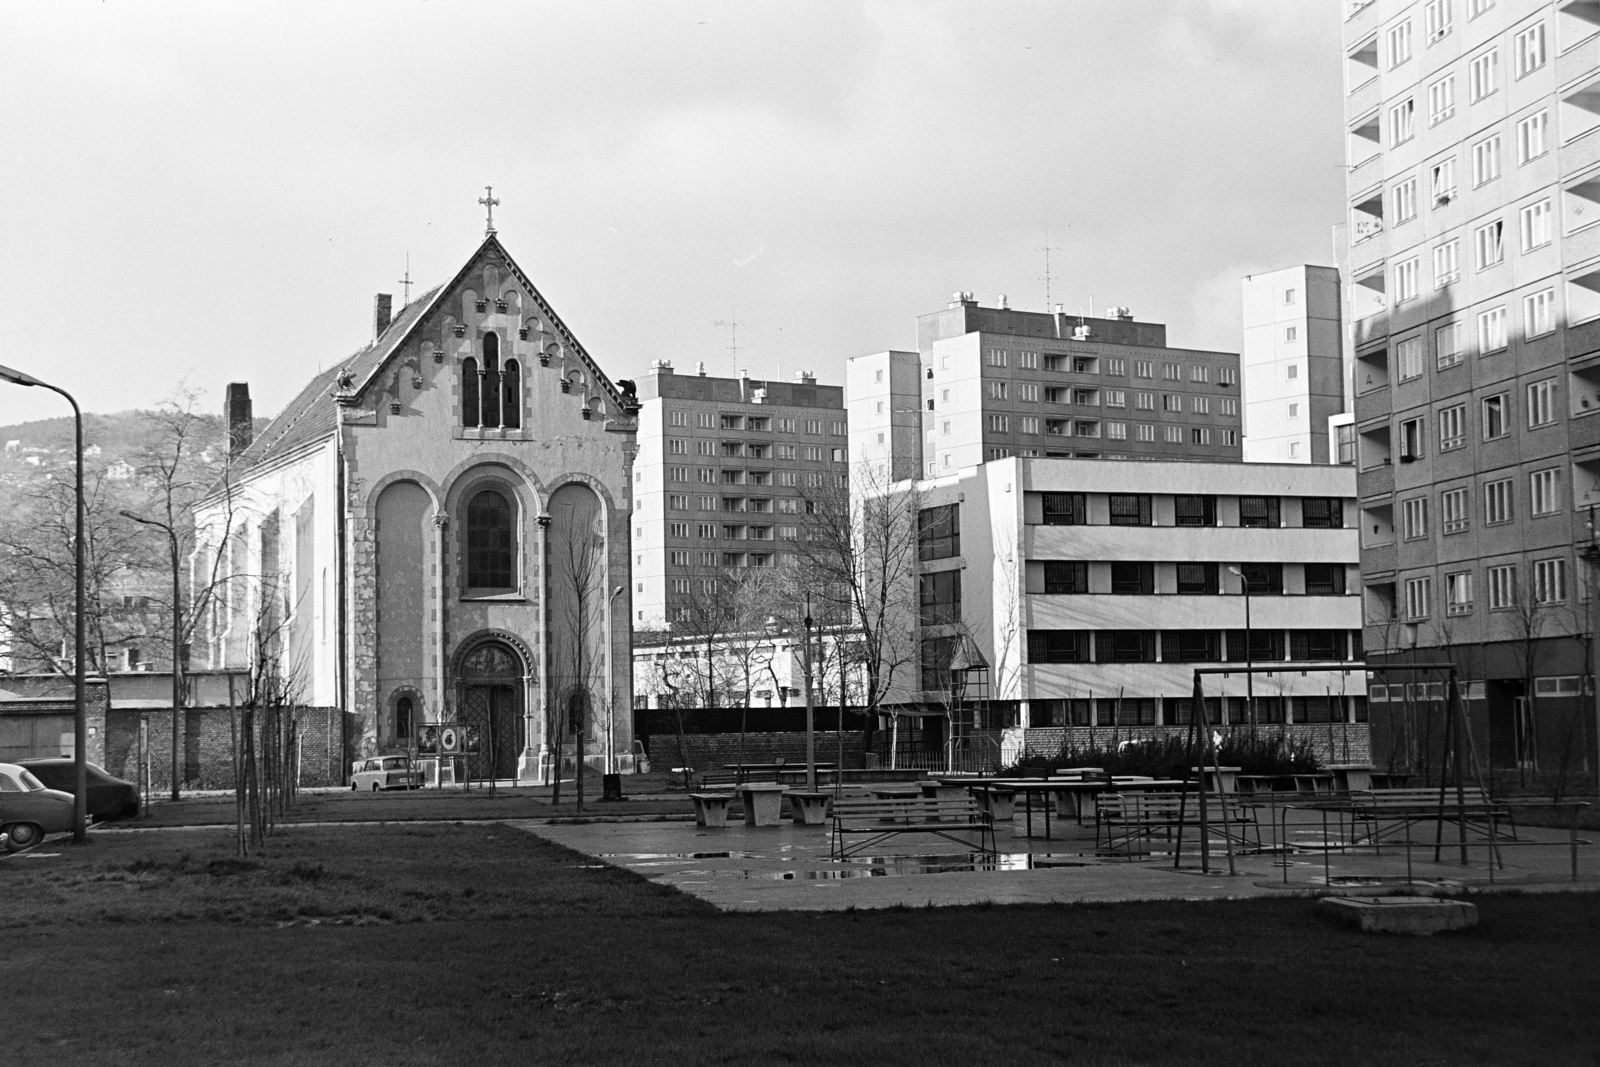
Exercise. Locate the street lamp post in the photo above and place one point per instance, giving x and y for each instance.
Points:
(80, 718)
(811, 710)
(177, 633)
(1249, 652)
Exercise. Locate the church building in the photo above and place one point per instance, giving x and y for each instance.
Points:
(435, 531)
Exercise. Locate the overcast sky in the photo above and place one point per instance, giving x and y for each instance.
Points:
(214, 192)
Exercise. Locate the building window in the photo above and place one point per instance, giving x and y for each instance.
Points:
(1117, 367)
(1419, 598)
(1539, 313)
(1543, 492)
(1415, 512)
(1324, 579)
(1441, 99)
(511, 396)
(1436, 17)
(1483, 74)
(1491, 330)
(489, 542)
(1549, 581)
(1535, 225)
(470, 405)
(1446, 264)
(1066, 576)
(1497, 503)
(1230, 438)
(1064, 509)
(1200, 435)
(939, 532)
(1530, 49)
(1447, 344)
(1458, 593)
(1172, 372)
(1133, 578)
(1117, 431)
(940, 598)
(1143, 368)
(1125, 646)
(1403, 198)
(1290, 333)
(1494, 416)
(1399, 44)
(1408, 354)
(1130, 509)
(1401, 122)
(1478, 7)
(997, 390)
(1262, 578)
(1489, 244)
(490, 388)
(1058, 646)
(1453, 510)
(1452, 427)
(1200, 405)
(1530, 137)
(1322, 513)
(1199, 372)
(1259, 512)
(1145, 431)
(1542, 403)
(1502, 587)
(1411, 440)
(1197, 579)
(1486, 161)
(999, 424)
(1145, 401)
(1194, 510)
(1288, 296)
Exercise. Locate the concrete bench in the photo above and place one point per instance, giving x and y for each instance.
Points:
(875, 820)
(808, 809)
(998, 801)
(763, 802)
(711, 809)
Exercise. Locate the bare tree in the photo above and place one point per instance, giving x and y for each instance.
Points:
(577, 570)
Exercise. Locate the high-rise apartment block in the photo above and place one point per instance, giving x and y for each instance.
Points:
(1473, 294)
(1292, 364)
(994, 383)
(719, 481)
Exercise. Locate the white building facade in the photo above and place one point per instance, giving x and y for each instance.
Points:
(1291, 363)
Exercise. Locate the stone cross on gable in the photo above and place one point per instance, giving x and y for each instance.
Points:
(490, 203)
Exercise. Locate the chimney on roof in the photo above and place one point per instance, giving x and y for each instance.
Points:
(241, 424)
(700, 367)
(1005, 305)
(805, 377)
(382, 313)
(661, 366)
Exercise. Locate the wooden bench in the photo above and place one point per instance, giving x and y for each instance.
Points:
(1387, 812)
(876, 820)
(1126, 820)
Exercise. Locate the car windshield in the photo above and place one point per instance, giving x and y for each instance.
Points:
(29, 782)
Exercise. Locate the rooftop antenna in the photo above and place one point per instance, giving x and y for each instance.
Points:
(1047, 249)
(733, 325)
(406, 282)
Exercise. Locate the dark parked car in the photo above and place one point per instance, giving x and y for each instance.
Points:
(109, 798)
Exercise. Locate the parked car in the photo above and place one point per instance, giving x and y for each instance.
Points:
(29, 809)
(385, 772)
(110, 797)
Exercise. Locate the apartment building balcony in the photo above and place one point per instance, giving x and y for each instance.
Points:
(1577, 21)
(1102, 611)
(1366, 95)
(1361, 19)
(1233, 543)
(1583, 433)
(1363, 144)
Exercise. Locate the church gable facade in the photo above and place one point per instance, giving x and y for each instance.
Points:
(470, 473)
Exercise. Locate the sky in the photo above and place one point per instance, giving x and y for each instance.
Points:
(195, 193)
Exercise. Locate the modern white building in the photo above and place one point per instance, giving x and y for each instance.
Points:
(1085, 594)
(1291, 364)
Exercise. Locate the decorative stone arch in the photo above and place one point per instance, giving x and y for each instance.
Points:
(607, 501)
(458, 475)
(485, 704)
(427, 484)
(466, 646)
(419, 711)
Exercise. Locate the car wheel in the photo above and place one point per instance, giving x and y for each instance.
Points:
(374, 787)
(352, 787)
(23, 835)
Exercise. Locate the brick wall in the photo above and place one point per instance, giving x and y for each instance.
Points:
(710, 751)
(206, 747)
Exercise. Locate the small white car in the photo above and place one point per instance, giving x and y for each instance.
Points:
(384, 772)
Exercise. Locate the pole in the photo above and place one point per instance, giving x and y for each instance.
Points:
(177, 657)
(1249, 661)
(811, 710)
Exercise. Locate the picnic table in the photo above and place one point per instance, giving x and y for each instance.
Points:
(763, 802)
(1052, 790)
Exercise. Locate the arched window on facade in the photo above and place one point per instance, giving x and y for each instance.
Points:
(469, 392)
(489, 542)
(403, 711)
(511, 386)
(491, 380)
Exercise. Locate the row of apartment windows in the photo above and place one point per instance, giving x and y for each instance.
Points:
(712, 531)
(1028, 392)
(1538, 308)
(718, 476)
(1136, 509)
(679, 446)
(1494, 420)
(783, 505)
(1110, 431)
(1483, 80)
(1175, 711)
(1449, 345)
(708, 420)
(1439, 21)
(1199, 373)
(1192, 578)
(1193, 646)
(1499, 505)
(1549, 587)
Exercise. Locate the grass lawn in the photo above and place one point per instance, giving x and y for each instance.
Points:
(479, 944)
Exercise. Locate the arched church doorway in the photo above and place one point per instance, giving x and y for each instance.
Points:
(491, 680)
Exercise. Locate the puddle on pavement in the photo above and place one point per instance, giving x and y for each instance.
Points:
(903, 866)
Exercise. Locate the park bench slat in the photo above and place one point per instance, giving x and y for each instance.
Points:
(886, 817)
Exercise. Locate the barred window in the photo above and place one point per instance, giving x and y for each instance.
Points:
(1066, 576)
(489, 541)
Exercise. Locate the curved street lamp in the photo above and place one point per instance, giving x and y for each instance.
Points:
(80, 718)
(1249, 653)
(177, 682)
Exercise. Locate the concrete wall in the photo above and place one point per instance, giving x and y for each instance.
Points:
(709, 752)
(207, 746)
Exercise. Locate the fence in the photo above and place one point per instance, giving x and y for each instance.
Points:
(1331, 743)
